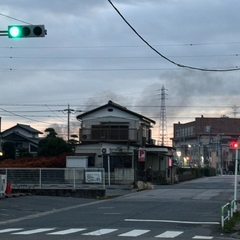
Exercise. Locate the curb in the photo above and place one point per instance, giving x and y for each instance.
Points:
(235, 235)
(15, 195)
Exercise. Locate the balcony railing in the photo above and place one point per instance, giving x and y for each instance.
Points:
(103, 134)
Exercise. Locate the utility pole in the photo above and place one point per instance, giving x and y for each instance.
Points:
(69, 111)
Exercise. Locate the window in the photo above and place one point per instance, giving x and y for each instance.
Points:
(91, 161)
(110, 132)
(33, 148)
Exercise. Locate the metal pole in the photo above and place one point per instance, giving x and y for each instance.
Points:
(235, 182)
(69, 111)
(40, 178)
(108, 169)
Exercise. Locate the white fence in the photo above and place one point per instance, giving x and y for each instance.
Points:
(227, 212)
(55, 178)
(3, 184)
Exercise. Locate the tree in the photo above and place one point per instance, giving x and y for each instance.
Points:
(73, 140)
(51, 132)
(9, 150)
(52, 145)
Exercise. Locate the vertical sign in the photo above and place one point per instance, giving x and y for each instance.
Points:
(141, 155)
(170, 163)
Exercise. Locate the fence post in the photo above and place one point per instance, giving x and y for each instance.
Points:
(222, 216)
(232, 207)
(74, 179)
(40, 178)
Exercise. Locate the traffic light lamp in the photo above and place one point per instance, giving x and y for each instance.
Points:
(234, 145)
(26, 31)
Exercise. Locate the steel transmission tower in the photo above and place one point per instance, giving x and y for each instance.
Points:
(235, 108)
(163, 121)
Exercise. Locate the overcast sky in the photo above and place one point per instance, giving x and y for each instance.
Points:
(90, 56)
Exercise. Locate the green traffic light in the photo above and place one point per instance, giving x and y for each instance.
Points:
(26, 31)
(14, 32)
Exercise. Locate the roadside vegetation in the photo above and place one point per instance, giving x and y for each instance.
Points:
(233, 224)
(185, 174)
(52, 152)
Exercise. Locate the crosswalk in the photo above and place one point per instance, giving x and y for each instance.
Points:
(98, 232)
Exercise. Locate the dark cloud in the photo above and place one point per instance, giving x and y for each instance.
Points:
(91, 56)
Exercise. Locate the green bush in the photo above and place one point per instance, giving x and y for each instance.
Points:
(232, 222)
(209, 171)
(197, 172)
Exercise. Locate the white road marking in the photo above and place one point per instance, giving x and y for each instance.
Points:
(170, 221)
(105, 208)
(134, 233)
(38, 230)
(50, 212)
(202, 237)
(169, 234)
(68, 231)
(112, 213)
(100, 232)
(10, 230)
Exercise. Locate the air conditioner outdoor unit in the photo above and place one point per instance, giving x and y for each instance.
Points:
(85, 136)
(105, 150)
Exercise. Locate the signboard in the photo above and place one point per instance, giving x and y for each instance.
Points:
(170, 162)
(141, 155)
(93, 177)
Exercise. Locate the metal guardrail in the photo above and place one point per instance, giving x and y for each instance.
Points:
(227, 211)
(55, 178)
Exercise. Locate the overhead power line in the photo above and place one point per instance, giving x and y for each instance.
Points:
(166, 58)
(119, 57)
(122, 46)
(17, 19)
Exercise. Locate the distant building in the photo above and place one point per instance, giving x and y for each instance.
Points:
(24, 137)
(206, 142)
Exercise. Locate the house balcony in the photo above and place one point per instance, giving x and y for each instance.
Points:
(110, 135)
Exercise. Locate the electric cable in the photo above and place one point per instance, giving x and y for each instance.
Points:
(166, 58)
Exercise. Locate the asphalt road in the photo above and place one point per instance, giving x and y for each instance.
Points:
(189, 210)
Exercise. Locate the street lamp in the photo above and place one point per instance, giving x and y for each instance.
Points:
(235, 146)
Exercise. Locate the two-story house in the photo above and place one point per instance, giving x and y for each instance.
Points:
(112, 137)
(24, 137)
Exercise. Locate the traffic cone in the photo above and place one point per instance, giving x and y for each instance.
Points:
(8, 188)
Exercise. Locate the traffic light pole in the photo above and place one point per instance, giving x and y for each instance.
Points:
(3, 33)
(235, 180)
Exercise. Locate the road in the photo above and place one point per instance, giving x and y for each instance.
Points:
(189, 210)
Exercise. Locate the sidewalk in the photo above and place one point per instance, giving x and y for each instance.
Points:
(119, 190)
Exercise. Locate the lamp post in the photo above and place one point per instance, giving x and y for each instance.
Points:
(235, 145)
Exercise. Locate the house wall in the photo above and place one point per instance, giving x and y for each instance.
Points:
(106, 113)
(123, 175)
(131, 123)
(139, 130)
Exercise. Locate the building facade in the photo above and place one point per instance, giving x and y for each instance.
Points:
(112, 136)
(24, 137)
(206, 142)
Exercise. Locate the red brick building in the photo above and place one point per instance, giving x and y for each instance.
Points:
(206, 141)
